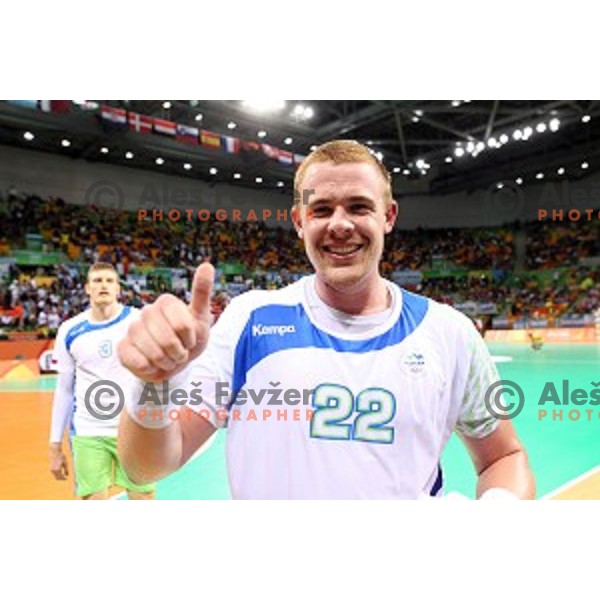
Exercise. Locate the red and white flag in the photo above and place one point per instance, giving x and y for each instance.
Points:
(139, 123)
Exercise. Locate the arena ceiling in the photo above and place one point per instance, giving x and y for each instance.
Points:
(433, 147)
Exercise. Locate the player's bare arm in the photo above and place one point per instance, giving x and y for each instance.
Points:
(501, 462)
(169, 335)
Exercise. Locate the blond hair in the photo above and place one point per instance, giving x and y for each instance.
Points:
(340, 152)
(102, 266)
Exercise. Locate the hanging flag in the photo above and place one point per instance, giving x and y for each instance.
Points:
(25, 103)
(164, 127)
(210, 139)
(187, 134)
(298, 158)
(253, 146)
(285, 157)
(114, 116)
(55, 106)
(231, 144)
(270, 151)
(139, 123)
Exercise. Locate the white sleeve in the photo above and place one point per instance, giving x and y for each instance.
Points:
(475, 420)
(64, 394)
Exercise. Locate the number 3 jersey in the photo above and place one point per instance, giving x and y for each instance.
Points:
(85, 354)
(321, 404)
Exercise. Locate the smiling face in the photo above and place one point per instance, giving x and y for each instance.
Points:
(102, 287)
(345, 221)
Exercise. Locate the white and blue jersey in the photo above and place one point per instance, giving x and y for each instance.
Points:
(320, 404)
(85, 353)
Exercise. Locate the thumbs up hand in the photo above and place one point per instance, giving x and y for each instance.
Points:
(170, 333)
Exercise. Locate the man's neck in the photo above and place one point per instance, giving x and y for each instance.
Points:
(105, 312)
(362, 299)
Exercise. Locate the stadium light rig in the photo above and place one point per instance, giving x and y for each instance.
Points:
(264, 106)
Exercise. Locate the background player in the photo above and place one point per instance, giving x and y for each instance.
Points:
(392, 372)
(536, 339)
(85, 353)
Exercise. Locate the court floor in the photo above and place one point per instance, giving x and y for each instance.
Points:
(563, 447)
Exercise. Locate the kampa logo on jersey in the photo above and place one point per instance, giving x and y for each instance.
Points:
(258, 330)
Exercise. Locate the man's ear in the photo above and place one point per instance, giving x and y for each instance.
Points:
(391, 214)
(297, 220)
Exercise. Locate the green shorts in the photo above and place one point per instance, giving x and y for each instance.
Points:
(97, 466)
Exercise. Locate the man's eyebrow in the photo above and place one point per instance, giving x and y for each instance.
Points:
(355, 198)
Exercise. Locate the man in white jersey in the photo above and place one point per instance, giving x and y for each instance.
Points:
(85, 354)
(341, 385)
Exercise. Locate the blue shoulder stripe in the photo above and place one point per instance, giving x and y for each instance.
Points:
(254, 345)
(86, 327)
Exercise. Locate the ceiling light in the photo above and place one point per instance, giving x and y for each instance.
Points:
(527, 132)
(584, 165)
(262, 133)
(231, 125)
(500, 185)
(166, 105)
(539, 176)
(128, 155)
(160, 161)
(492, 142)
(585, 119)
(302, 112)
(28, 136)
(280, 184)
(104, 150)
(406, 172)
(419, 113)
(313, 148)
(455, 103)
(504, 139)
(480, 146)
(187, 166)
(65, 143)
(420, 164)
(517, 134)
(213, 171)
(199, 117)
(259, 180)
(415, 119)
(396, 169)
(554, 124)
(237, 176)
(560, 170)
(459, 152)
(448, 159)
(519, 180)
(263, 106)
(470, 147)
(540, 127)
(288, 141)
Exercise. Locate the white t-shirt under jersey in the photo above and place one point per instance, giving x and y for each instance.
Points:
(387, 392)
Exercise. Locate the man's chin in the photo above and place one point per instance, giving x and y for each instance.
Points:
(342, 278)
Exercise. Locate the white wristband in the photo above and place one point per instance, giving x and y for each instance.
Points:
(149, 405)
(498, 494)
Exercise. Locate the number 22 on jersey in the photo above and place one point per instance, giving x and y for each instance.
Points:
(334, 404)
